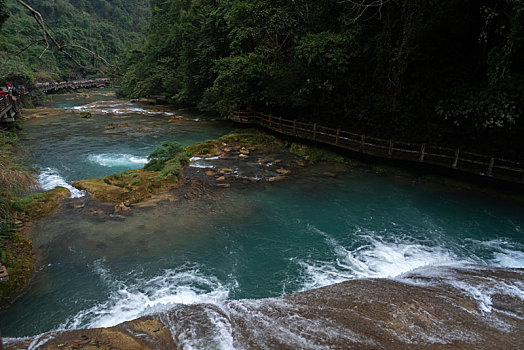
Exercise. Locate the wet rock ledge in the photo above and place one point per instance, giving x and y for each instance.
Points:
(473, 307)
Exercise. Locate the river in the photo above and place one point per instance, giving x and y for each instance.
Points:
(331, 224)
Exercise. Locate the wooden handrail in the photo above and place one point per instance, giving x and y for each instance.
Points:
(499, 168)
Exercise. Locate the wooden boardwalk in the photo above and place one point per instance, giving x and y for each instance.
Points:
(11, 104)
(73, 85)
(456, 159)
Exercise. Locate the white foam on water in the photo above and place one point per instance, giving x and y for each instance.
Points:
(116, 107)
(137, 297)
(50, 178)
(509, 258)
(40, 341)
(474, 284)
(201, 163)
(117, 160)
(506, 253)
(379, 258)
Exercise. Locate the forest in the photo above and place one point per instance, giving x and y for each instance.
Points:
(108, 28)
(447, 72)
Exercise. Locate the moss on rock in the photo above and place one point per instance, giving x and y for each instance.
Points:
(18, 257)
(130, 186)
(318, 154)
(41, 204)
(245, 138)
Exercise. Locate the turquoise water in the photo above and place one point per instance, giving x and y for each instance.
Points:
(69, 148)
(257, 241)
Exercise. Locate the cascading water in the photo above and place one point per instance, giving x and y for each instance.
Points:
(223, 251)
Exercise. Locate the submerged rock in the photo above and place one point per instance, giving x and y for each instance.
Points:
(226, 171)
(277, 178)
(283, 171)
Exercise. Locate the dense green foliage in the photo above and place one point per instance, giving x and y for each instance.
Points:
(168, 160)
(415, 69)
(108, 27)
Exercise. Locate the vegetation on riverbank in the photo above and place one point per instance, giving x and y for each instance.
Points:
(16, 251)
(446, 72)
(17, 255)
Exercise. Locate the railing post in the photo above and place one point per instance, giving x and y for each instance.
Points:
(280, 124)
(315, 131)
(390, 150)
(338, 134)
(455, 162)
(422, 150)
(270, 121)
(490, 167)
(362, 141)
(295, 127)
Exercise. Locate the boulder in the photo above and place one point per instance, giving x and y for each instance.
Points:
(221, 178)
(264, 161)
(210, 173)
(283, 171)
(277, 178)
(122, 207)
(226, 171)
(250, 179)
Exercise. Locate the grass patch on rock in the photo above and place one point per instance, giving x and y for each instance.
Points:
(319, 154)
(250, 138)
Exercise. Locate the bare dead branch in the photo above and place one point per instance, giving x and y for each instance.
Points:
(48, 37)
(28, 46)
(362, 6)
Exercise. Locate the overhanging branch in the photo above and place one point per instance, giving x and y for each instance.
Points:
(50, 40)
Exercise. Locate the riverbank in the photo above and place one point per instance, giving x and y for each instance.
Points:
(16, 250)
(18, 253)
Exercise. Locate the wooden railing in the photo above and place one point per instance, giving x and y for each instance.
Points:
(9, 105)
(441, 156)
